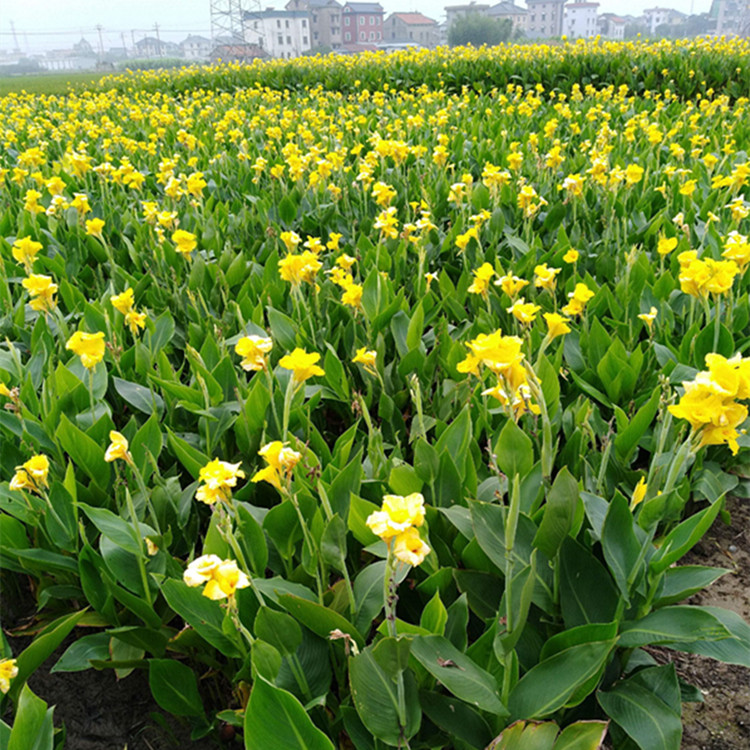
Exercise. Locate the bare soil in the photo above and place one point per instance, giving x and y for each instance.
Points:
(722, 721)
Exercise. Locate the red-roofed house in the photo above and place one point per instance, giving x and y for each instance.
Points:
(612, 26)
(411, 27)
(363, 23)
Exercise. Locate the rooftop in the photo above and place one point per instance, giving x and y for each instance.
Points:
(416, 19)
(364, 7)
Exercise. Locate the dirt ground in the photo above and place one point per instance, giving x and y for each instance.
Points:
(722, 722)
(102, 713)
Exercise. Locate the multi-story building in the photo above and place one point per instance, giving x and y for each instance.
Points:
(151, 46)
(612, 26)
(363, 23)
(325, 21)
(732, 17)
(545, 18)
(196, 47)
(452, 12)
(580, 20)
(507, 9)
(411, 28)
(656, 17)
(281, 33)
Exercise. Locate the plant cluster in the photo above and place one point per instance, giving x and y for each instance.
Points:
(375, 417)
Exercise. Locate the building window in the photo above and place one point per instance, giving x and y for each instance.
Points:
(361, 20)
(362, 36)
(372, 20)
(289, 40)
(278, 24)
(281, 39)
(287, 23)
(346, 21)
(348, 35)
(304, 23)
(304, 40)
(380, 36)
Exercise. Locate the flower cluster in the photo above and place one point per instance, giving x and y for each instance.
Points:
(397, 523)
(125, 303)
(218, 477)
(222, 577)
(280, 462)
(32, 475)
(710, 402)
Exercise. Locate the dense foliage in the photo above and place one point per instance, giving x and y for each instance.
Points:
(372, 416)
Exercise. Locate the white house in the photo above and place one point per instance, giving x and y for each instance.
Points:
(580, 20)
(656, 17)
(612, 26)
(281, 33)
(196, 47)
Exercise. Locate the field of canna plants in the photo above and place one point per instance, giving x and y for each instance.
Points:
(378, 414)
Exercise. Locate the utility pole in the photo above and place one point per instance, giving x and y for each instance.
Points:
(124, 46)
(158, 40)
(101, 42)
(15, 37)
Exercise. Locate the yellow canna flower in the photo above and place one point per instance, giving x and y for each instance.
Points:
(345, 261)
(302, 364)
(633, 174)
(409, 548)
(253, 350)
(545, 277)
(118, 448)
(524, 311)
(352, 296)
(649, 317)
(666, 245)
(280, 462)
(124, 301)
(556, 325)
(32, 475)
(482, 276)
(136, 321)
(185, 242)
(511, 284)
(25, 251)
(290, 240)
(42, 291)
(88, 346)
(571, 256)
(218, 477)
(8, 670)
(638, 493)
(397, 514)
(366, 358)
(222, 577)
(94, 227)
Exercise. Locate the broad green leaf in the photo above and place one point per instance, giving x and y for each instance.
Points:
(85, 453)
(202, 614)
(587, 593)
(458, 673)
(174, 687)
(279, 629)
(645, 716)
(32, 727)
(549, 685)
(77, 657)
(318, 618)
(514, 451)
(456, 718)
(672, 624)
(622, 550)
(275, 719)
(375, 696)
(559, 513)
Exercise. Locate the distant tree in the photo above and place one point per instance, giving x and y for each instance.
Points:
(476, 29)
(632, 30)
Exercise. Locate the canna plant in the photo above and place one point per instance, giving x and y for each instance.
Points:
(388, 412)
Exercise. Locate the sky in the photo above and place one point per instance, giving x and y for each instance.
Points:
(50, 24)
